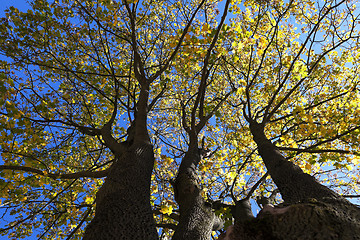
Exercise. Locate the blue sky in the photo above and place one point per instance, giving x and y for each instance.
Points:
(22, 5)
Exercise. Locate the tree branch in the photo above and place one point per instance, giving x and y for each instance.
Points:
(299, 150)
(334, 138)
(87, 213)
(256, 185)
(312, 106)
(351, 196)
(181, 39)
(88, 173)
(31, 215)
(199, 101)
(272, 112)
(166, 225)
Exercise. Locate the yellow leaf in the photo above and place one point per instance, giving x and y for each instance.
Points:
(166, 209)
(89, 200)
(355, 160)
(168, 160)
(202, 168)
(231, 175)
(205, 28)
(293, 144)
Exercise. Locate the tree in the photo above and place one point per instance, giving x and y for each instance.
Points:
(130, 119)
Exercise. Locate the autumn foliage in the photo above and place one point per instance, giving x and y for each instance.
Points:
(82, 82)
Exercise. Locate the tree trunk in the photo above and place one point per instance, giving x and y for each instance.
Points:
(123, 209)
(293, 183)
(313, 220)
(197, 220)
(311, 211)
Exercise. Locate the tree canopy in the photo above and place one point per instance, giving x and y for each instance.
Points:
(83, 81)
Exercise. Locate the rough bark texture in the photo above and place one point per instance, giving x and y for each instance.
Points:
(311, 211)
(325, 220)
(293, 183)
(242, 212)
(197, 219)
(123, 209)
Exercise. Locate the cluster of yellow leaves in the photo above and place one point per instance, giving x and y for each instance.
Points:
(256, 53)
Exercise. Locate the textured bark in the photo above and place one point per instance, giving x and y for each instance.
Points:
(123, 209)
(326, 220)
(242, 212)
(311, 211)
(293, 183)
(197, 219)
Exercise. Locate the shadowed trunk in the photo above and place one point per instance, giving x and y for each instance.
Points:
(293, 183)
(311, 211)
(313, 220)
(123, 209)
(197, 220)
